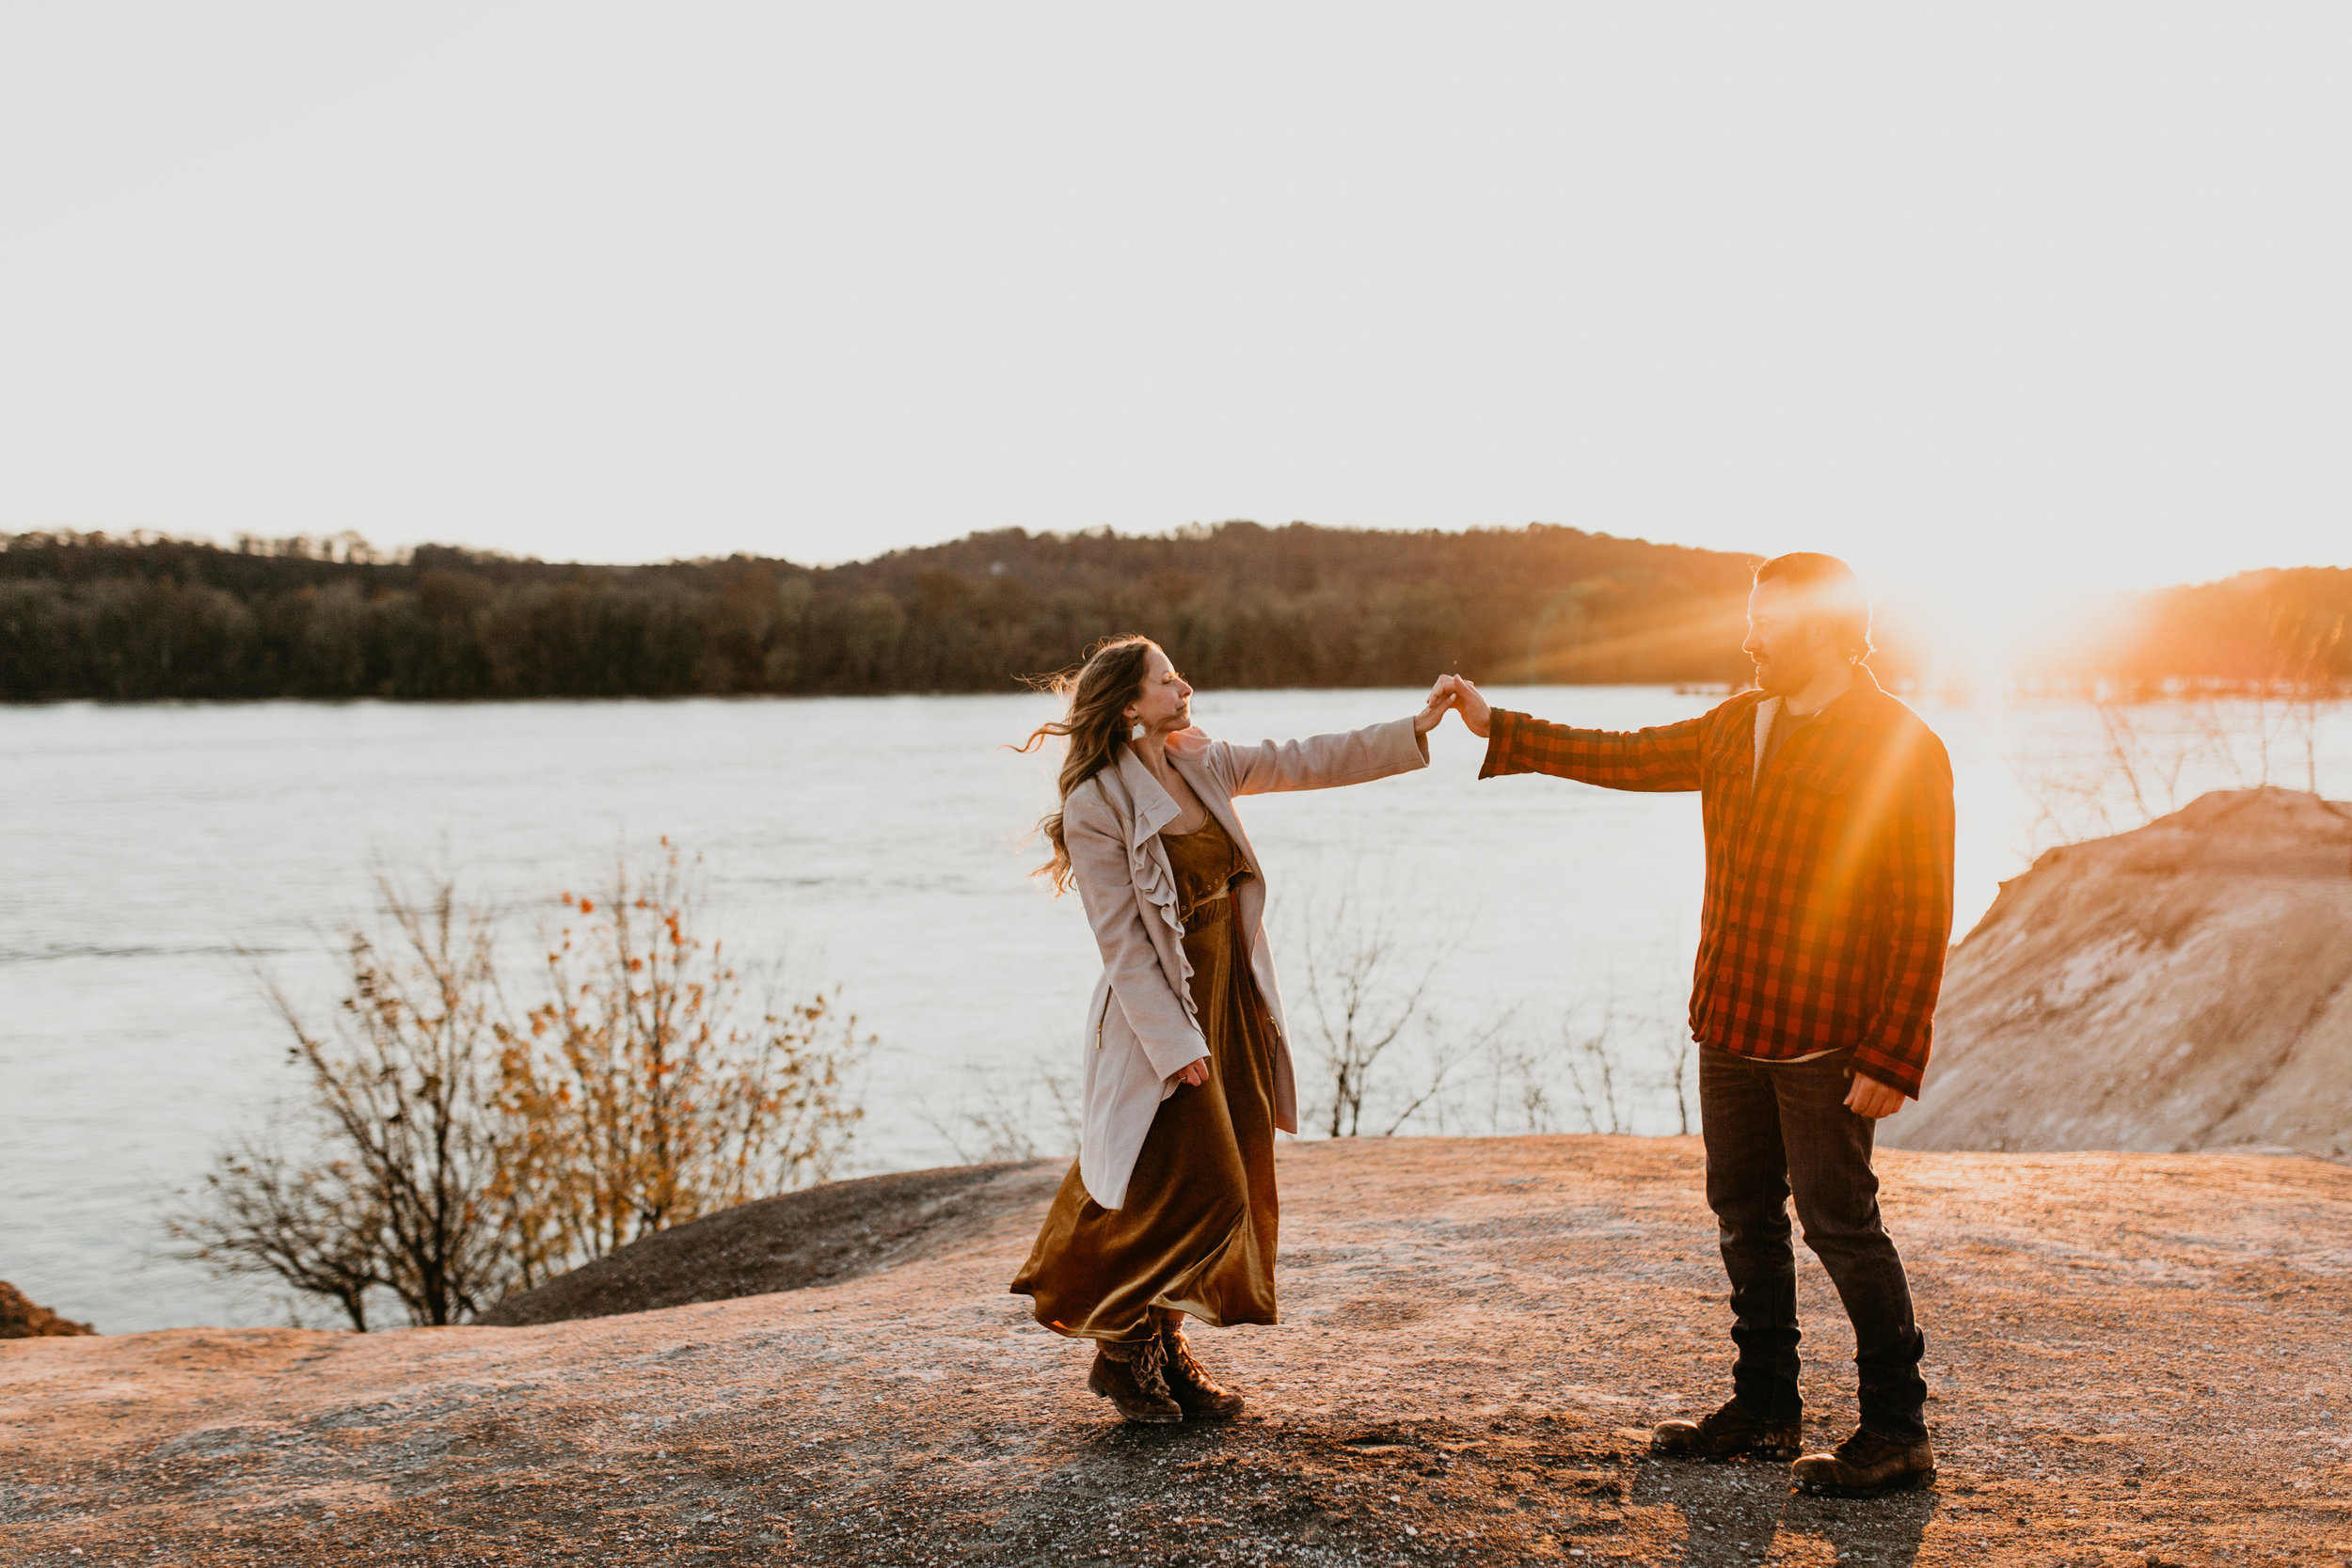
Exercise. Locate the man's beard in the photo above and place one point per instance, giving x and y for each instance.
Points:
(1785, 675)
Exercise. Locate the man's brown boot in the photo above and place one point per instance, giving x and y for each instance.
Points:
(1865, 1466)
(1188, 1380)
(1728, 1434)
(1133, 1382)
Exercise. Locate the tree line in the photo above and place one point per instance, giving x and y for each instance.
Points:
(1237, 605)
(88, 616)
(2284, 630)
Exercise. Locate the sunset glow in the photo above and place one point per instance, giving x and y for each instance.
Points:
(821, 283)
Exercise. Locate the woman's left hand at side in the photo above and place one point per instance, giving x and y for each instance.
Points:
(1195, 1072)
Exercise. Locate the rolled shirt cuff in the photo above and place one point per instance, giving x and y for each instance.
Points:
(1897, 1072)
(1501, 730)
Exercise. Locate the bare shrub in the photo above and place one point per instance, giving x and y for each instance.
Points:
(403, 1089)
(1676, 1051)
(315, 1227)
(2162, 743)
(1371, 950)
(1041, 1116)
(1516, 1089)
(448, 1151)
(1589, 1052)
(1587, 1077)
(657, 1081)
(2148, 756)
(1370, 946)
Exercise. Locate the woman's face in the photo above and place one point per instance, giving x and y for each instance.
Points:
(1163, 703)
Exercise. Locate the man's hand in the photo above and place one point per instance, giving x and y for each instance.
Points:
(1195, 1072)
(1468, 703)
(1872, 1098)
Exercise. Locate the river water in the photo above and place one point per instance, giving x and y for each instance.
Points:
(162, 861)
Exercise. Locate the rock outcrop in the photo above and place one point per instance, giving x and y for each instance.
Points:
(2133, 1358)
(24, 1319)
(2186, 986)
(820, 1236)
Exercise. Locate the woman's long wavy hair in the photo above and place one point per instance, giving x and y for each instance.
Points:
(1095, 724)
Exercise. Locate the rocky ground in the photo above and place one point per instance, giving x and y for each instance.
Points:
(2136, 1359)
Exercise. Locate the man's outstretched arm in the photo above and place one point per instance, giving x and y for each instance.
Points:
(1663, 758)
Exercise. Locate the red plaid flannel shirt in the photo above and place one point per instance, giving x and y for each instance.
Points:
(1829, 879)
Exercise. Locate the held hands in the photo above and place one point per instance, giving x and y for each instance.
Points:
(1454, 692)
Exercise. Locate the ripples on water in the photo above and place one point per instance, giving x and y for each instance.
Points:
(874, 840)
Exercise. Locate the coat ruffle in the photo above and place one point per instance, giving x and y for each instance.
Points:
(1146, 862)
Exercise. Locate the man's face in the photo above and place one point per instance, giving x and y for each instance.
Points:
(1786, 639)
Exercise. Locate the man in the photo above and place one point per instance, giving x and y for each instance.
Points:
(1828, 813)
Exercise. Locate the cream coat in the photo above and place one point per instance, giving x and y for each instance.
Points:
(1140, 1029)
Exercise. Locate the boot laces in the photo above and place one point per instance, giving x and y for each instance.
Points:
(1188, 1366)
(1865, 1447)
(1151, 1360)
(1731, 1415)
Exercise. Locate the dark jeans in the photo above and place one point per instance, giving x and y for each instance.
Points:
(1773, 1128)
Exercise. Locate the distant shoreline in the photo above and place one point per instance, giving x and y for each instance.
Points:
(1238, 607)
(2015, 692)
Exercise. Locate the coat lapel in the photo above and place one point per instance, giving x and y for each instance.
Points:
(1155, 808)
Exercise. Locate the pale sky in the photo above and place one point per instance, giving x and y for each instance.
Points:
(1954, 292)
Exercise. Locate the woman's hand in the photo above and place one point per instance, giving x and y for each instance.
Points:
(1194, 1072)
(1440, 699)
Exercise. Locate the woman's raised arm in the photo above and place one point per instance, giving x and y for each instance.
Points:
(1324, 761)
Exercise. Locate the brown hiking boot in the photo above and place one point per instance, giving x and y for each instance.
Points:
(1865, 1466)
(1133, 1384)
(1189, 1381)
(1728, 1434)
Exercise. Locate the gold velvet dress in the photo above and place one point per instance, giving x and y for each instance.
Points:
(1198, 1232)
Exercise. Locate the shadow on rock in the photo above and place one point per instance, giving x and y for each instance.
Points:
(1741, 1512)
(1309, 1493)
(1178, 1495)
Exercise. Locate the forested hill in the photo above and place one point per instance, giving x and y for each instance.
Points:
(1237, 605)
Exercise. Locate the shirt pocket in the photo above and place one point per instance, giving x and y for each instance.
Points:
(1730, 753)
(1816, 804)
(1818, 782)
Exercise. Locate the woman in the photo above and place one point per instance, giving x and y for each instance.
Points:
(1171, 1209)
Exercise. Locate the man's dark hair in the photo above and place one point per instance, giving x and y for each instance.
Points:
(1833, 590)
